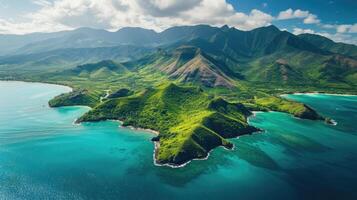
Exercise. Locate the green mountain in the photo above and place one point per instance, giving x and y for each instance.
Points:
(329, 45)
(339, 68)
(98, 70)
(188, 64)
(78, 38)
(62, 59)
(279, 72)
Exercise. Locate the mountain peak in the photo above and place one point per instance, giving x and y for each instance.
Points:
(225, 27)
(135, 29)
(88, 29)
(272, 27)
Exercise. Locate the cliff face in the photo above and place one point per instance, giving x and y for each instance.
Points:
(309, 113)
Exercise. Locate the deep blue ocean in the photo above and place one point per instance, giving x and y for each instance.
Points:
(44, 155)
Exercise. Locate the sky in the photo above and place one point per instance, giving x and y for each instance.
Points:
(335, 19)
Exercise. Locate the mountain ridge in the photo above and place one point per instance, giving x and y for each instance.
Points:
(229, 55)
(89, 37)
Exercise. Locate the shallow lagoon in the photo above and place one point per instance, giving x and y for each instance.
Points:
(44, 155)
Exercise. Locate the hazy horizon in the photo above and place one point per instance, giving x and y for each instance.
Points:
(333, 19)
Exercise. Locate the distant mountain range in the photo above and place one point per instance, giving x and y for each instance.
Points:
(201, 54)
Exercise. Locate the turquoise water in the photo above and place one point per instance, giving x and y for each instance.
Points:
(43, 155)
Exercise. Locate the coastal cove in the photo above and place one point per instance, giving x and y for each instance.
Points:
(43, 154)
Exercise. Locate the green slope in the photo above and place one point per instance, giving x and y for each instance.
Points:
(279, 72)
(187, 64)
(282, 105)
(76, 98)
(329, 45)
(98, 70)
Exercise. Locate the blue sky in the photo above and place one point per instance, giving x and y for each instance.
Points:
(336, 19)
(328, 11)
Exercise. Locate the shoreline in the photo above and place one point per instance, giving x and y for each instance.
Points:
(156, 146)
(332, 122)
(317, 93)
(135, 128)
(38, 82)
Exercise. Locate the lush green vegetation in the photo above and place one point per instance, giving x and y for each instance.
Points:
(282, 105)
(189, 121)
(76, 98)
(123, 92)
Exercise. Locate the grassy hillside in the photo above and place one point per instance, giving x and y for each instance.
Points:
(282, 105)
(279, 72)
(76, 98)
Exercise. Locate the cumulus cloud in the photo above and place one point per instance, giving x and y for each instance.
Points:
(115, 14)
(298, 31)
(337, 37)
(311, 19)
(353, 28)
(291, 14)
(346, 28)
(341, 28)
(308, 17)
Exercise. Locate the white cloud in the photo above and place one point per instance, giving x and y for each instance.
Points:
(328, 26)
(291, 14)
(308, 17)
(337, 37)
(346, 28)
(353, 28)
(341, 28)
(298, 31)
(114, 14)
(311, 19)
(41, 2)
